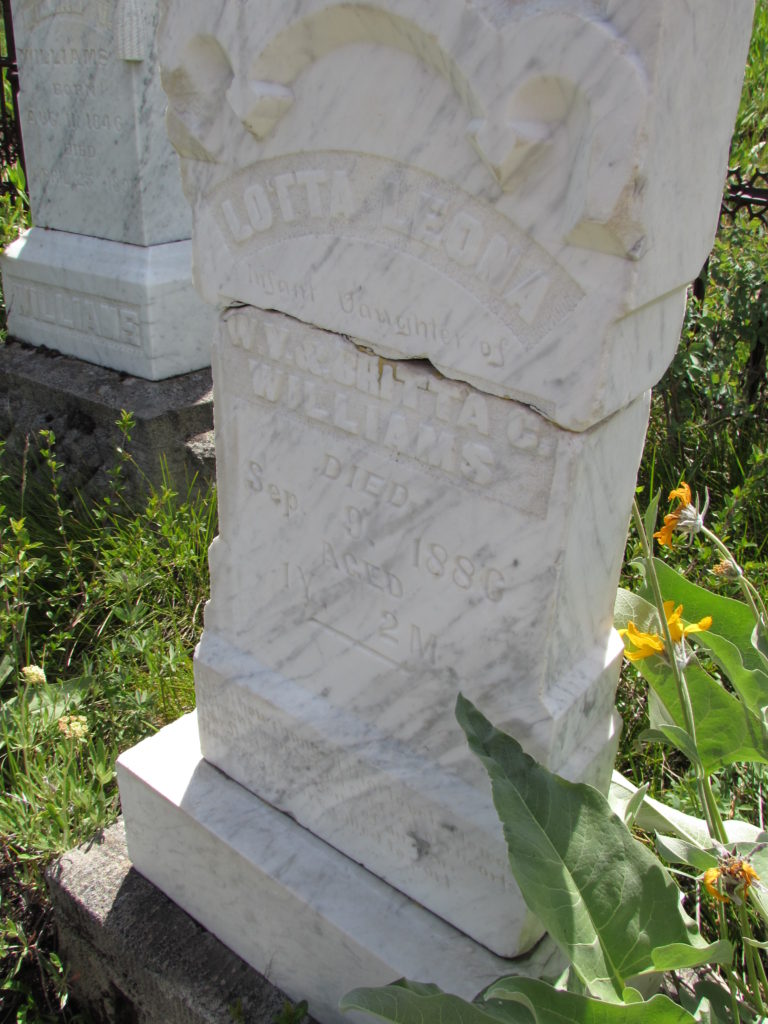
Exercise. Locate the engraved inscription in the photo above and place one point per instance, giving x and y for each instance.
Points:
(77, 118)
(63, 56)
(284, 500)
(459, 570)
(376, 201)
(372, 575)
(448, 428)
(368, 541)
(422, 644)
(76, 311)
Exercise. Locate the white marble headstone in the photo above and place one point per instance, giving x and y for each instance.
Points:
(518, 192)
(92, 109)
(100, 167)
(454, 240)
(389, 537)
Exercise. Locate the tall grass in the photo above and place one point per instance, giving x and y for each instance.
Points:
(100, 608)
(748, 149)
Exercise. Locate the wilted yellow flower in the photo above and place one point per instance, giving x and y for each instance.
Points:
(74, 727)
(686, 518)
(710, 878)
(33, 675)
(727, 570)
(735, 874)
(645, 645)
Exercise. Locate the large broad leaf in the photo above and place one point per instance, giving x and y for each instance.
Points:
(553, 1006)
(407, 1002)
(602, 896)
(727, 731)
(730, 638)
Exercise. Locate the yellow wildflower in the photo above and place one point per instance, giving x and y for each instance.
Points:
(676, 628)
(710, 878)
(74, 727)
(686, 518)
(33, 675)
(647, 644)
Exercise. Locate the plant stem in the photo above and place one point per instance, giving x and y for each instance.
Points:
(761, 970)
(749, 957)
(706, 797)
(733, 980)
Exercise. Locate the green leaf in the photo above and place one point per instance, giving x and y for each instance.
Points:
(651, 514)
(676, 957)
(654, 816)
(676, 736)
(754, 942)
(602, 896)
(408, 1002)
(726, 730)
(553, 1006)
(708, 1002)
(630, 607)
(633, 805)
(7, 666)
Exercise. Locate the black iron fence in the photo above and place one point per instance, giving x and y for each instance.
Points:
(11, 146)
(746, 193)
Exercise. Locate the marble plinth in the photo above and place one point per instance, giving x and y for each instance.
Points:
(312, 921)
(128, 307)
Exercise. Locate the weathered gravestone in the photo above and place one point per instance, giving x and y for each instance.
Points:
(455, 240)
(105, 274)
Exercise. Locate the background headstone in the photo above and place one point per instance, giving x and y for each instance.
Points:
(454, 241)
(105, 274)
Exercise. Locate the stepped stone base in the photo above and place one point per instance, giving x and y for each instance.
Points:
(317, 923)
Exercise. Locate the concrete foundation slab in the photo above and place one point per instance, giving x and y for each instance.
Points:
(134, 957)
(80, 402)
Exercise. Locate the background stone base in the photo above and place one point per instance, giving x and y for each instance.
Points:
(80, 402)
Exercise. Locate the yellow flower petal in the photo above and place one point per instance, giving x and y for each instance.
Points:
(710, 877)
(647, 644)
(664, 535)
(674, 621)
(700, 626)
(683, 492)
